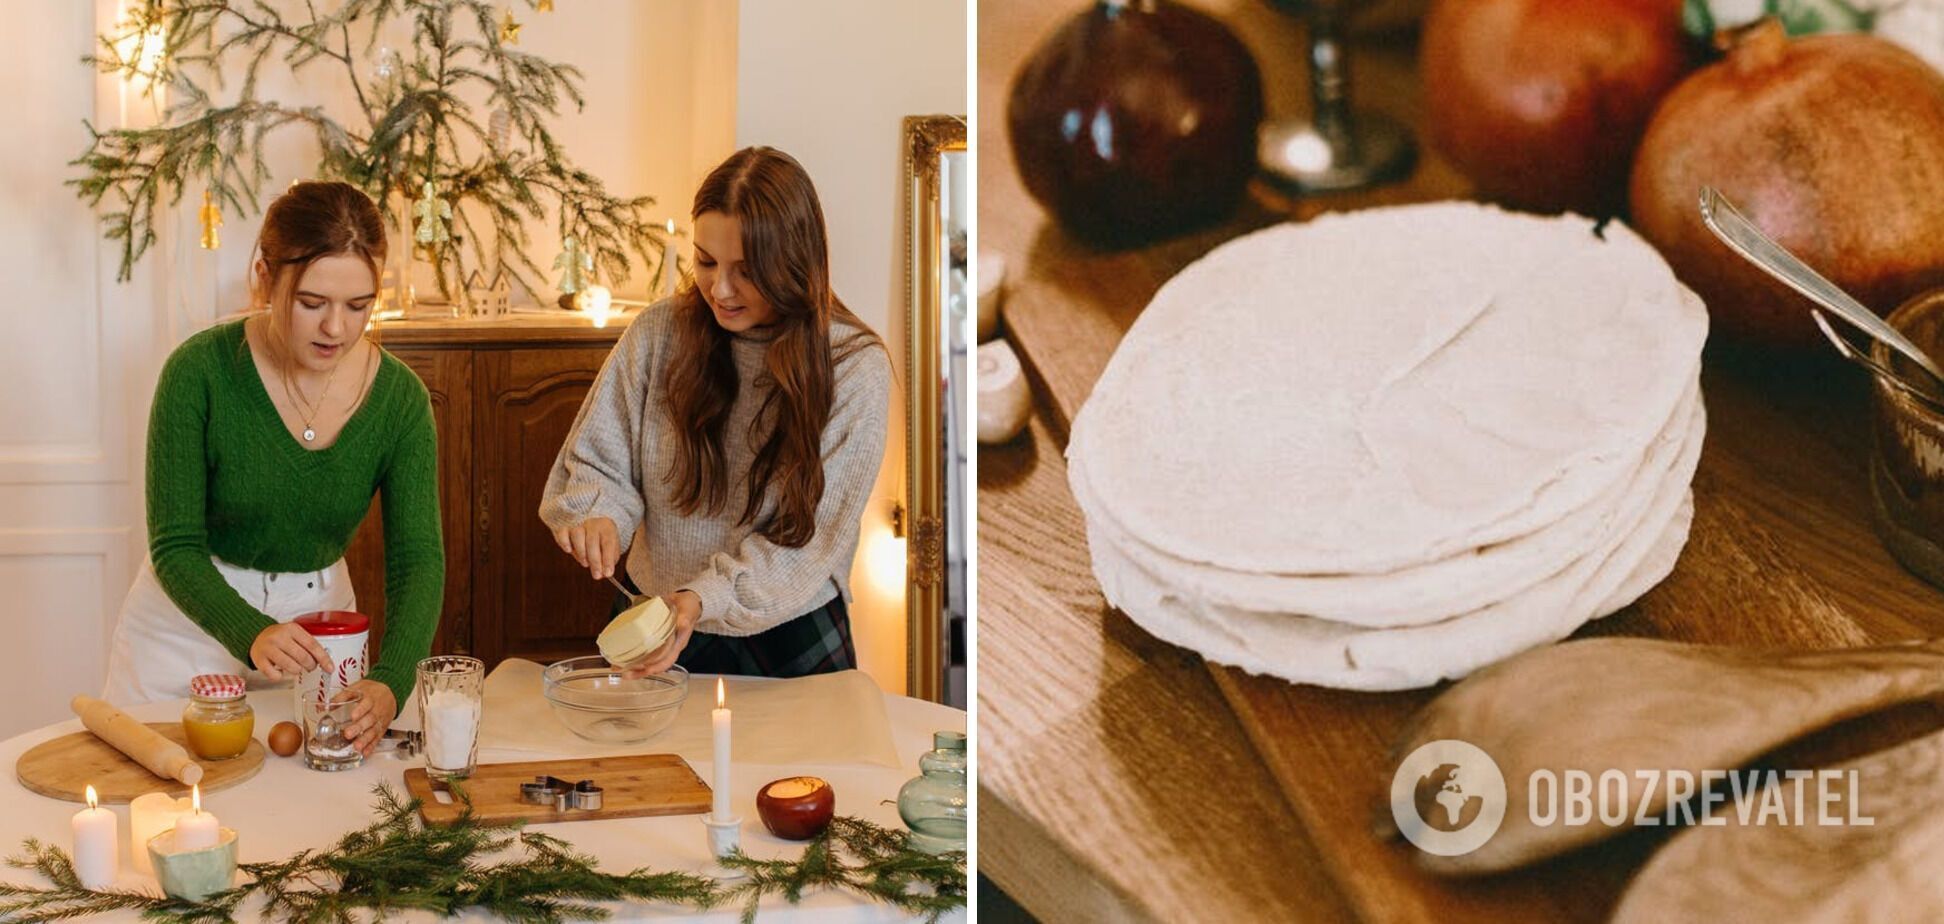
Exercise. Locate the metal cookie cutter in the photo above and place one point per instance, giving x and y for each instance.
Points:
(562, 795)
(546, 790)
(402, 744)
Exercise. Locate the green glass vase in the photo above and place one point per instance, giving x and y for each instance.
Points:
(933, 802)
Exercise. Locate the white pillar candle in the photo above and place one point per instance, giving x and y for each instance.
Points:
(451, 722)
(197, 829)
(96, 841)
(671, 267)
(719, 809)
(151, 814)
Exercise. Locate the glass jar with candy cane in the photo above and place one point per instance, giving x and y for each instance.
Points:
(344, 635)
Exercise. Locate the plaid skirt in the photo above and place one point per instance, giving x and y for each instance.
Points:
(816, 642)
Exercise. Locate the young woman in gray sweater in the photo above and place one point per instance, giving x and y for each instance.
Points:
(730, 443)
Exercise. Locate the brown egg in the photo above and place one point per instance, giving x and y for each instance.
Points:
(285, 737)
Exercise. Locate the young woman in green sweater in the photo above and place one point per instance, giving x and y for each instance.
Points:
(730, 443)
(267, 440)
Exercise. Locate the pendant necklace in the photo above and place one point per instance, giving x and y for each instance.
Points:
(310, 433)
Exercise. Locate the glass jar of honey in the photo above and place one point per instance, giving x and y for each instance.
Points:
(219, 721)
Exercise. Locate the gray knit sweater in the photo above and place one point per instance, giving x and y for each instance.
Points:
(613, 463)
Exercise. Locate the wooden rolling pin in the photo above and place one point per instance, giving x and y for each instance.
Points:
(162, 757)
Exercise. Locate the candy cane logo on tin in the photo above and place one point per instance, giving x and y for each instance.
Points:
(1448, 797)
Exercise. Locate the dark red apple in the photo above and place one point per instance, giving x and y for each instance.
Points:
(796, 808)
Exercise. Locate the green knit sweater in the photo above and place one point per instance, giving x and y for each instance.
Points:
(226, 478)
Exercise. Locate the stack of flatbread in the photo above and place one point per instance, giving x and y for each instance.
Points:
(1389, 447)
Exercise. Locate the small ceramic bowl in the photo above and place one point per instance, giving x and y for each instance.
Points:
(1907, 457)
(193, 875)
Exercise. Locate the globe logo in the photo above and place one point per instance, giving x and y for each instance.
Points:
(1448, 797)
(1442, 802)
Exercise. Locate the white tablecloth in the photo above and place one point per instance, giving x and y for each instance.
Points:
(286, 808)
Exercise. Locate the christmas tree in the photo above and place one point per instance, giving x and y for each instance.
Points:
(464, 187)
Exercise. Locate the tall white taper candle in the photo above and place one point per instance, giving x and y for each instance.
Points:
(719, 809)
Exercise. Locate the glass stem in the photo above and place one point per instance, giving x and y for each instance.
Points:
(1330, 81)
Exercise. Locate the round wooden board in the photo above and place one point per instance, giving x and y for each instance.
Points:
(64, 767)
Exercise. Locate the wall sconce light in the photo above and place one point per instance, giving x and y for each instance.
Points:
(887, 558)
(141, 49)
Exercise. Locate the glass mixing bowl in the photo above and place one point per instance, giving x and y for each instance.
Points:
(596, 702)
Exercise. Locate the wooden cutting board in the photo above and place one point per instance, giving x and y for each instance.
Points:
(1781, 554)
(632, 786)
(64, 767)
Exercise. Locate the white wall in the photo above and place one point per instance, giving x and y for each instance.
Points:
(831, 82)
(75, 370)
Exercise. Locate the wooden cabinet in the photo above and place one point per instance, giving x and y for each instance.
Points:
(504, 394)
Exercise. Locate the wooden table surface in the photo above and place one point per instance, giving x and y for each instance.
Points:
(1121, 775)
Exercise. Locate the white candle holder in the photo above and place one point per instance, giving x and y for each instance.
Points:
(725, 836)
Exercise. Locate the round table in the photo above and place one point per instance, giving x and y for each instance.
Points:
(286, 808)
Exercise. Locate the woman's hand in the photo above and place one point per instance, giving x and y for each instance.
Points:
(687, 609)
(287, 650)
(594, 542)
(373, 714)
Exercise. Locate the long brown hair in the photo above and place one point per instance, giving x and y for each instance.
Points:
(311, 220)
(786, 249)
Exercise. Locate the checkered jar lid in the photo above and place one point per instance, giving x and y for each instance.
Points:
(216, 686)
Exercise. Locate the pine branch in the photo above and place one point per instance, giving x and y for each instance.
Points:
(415, 124)
(885, 867)
(70, 899)
(398, 863)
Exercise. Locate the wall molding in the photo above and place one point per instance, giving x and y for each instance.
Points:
(112, 545)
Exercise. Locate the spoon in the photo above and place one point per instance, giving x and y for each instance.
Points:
(326, 734)
(1634, 704)
(625, 592)
(1744, 238)
(1882, 871)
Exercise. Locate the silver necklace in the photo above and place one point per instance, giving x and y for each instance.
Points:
(310, 433)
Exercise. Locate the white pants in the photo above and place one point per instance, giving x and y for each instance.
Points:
(157, 648)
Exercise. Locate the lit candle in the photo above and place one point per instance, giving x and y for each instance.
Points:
(670, 266)
(720, 717)
(95, 844)
(595, 300)
(197, 829)
(151, 814)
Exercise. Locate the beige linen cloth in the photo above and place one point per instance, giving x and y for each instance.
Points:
(835, 718)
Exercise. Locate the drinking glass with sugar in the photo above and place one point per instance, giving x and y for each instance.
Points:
(450, 689)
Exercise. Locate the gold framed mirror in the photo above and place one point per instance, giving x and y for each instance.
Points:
(936, 213)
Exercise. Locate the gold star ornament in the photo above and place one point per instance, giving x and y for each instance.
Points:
(509, 30)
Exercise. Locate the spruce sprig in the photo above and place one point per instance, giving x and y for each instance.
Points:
(398, 863)
(410, 125)
(855, 855)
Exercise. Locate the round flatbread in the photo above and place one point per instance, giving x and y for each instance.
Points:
(1305, 650)
(1412, 596)
(1379, 390)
